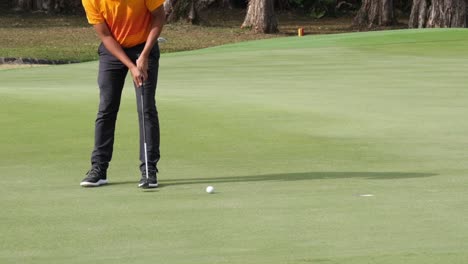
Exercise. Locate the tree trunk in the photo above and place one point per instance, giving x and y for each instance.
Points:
(27, 5)
(375, 13)
(51, 7)
(261, 16)
(37, 5)
(181, 9)
(438, 13)
(23, 5)
(418, 15)
(447, 13)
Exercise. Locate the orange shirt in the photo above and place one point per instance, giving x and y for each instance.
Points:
(129, 21)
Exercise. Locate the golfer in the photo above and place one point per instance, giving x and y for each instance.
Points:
(129, 31)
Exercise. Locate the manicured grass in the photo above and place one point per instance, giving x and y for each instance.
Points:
(290, 131)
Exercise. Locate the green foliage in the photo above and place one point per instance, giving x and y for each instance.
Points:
(299, 3)
(317, 13)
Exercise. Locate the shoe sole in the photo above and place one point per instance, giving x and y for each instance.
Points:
(151, 185)
(93, 184)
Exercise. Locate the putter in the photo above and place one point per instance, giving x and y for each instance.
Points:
(146, 183)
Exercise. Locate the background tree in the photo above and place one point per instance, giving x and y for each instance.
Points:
(22, 5)
(181, 9)
(189, 10)
(375, 13)
(418, 17)
(261, 16)
(49, 6)
(229, 4)
(438, 13)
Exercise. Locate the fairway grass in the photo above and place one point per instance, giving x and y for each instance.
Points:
(347, 148)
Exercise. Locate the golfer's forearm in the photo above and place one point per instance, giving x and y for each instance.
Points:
(157, 24)
(115, 49)
(112, 45)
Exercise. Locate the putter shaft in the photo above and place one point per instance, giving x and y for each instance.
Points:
(144, 130)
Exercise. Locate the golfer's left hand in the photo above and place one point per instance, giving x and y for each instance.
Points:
(142, 65)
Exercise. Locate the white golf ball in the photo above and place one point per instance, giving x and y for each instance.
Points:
(210, 189)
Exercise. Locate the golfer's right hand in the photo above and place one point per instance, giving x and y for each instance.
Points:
(138, 76)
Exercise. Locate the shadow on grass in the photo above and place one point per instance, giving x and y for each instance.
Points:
(135, 183)
(301, 177)
(132, 183)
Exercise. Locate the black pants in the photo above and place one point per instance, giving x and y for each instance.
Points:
(111, 80)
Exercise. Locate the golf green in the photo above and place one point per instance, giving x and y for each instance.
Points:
(349, 148)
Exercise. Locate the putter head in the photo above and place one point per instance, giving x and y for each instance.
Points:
(145, 185)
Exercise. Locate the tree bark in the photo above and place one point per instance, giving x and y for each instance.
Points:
(181, 9)
(51, 7)
(418, 15)
(23, 5)
(447, 13)
(375, 13)
(261, 16)
(27, 5)
(438, 13)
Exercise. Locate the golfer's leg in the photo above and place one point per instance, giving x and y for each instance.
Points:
(111, 80)
(151, 113)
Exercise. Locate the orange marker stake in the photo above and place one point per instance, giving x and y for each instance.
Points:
(300, 32)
